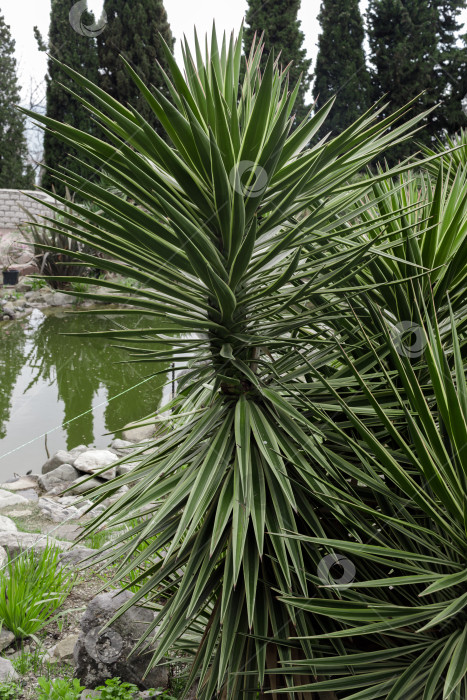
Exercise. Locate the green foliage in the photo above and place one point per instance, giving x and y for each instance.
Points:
(60, 689)
(340, 64)
(80, 52)
(451, 67)
(253, 246)
(14, 170)
(115, 689)
(29, 661)
(399, 628)
(135, 31)
(55, 254)
(9, 690)
(403, 45)
(279, 23)
(415, 54)
(32, 587)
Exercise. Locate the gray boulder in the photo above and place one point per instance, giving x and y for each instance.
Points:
(76, 555)
(23, 484)
(76, 451)
(6, 638)
(55, 511)
(8, 499)
(17, 542)
(7, 672)
(63, 650)
(58, 477)
(92, 461)
(122, 446)
(134, 432)
(61, 457)
(3, 557)
(7, 524)
(61, 299)
(84, 484)
(99, 655)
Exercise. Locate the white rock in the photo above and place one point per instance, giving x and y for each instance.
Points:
(122, 445)
(93, 461)
(19, 485)
(76, 451)
(56, 512)
(61, 457)
(60, 477)
(3, 557)
(61, 299)
(85, 484)
(136, 433)
(17, 542)
(7, 672)
(8, 499)
(7, 524)
(6, 638)
(63, 650)
(21, 513)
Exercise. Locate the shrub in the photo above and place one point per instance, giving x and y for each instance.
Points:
(32, 587)
(115, 689)
(60, 689)
(9, 690)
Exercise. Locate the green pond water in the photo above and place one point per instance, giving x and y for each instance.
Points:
(47, 378)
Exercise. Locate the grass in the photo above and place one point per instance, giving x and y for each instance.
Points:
(32, 587)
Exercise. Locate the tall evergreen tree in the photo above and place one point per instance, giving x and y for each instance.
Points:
(134, 31)
(279, 22)
(404, 51)
(79, 52)
(14, 170)
(451, 67)
(340, 65)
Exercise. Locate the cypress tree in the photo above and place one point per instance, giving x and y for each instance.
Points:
(14, 170)
(451, 67)
(403, 43)
(279, 22)
(79, 52)
(340, 65)
(134, 31)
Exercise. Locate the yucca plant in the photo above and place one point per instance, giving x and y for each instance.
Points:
(454, 149)
(400, 623)
(424, 223)
(228, 225)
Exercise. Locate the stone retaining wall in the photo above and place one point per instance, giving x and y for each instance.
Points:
(11, 213)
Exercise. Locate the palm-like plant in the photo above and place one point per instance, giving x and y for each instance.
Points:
(428, 239)
(401, 625)
(230, 229)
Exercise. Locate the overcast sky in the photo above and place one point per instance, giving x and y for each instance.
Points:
(23, 15)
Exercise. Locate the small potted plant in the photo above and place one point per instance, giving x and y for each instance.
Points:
(14, 254)
(10, 277)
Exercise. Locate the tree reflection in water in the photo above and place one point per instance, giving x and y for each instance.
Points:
(12, 344)
(81, 368)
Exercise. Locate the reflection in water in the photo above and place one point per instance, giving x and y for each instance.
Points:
(12, 341)
(48, 378)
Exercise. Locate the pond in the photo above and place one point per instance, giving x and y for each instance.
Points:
(48, 379)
